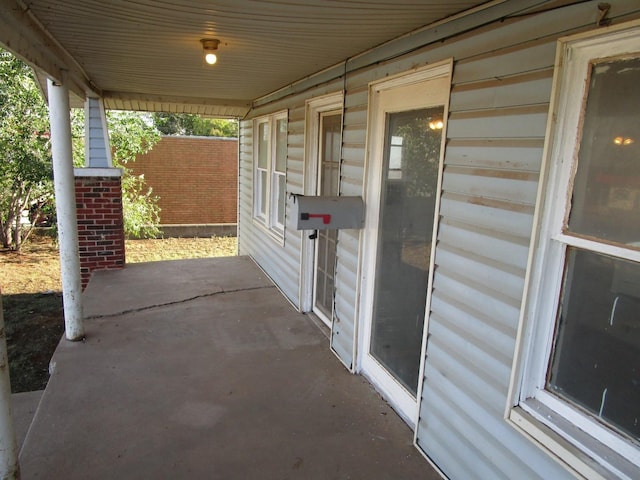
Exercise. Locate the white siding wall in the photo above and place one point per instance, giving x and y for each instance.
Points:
(280, 262)
(498, 114)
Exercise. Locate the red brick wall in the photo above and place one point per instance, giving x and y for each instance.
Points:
(196, 179)
(100, 224)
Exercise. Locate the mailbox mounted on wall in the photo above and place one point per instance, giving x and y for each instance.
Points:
(328, 213)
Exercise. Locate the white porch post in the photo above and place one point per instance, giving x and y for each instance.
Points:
(64, 185)
(9, 467)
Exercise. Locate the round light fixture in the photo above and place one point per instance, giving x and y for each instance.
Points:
(209, 47)
(210, 58)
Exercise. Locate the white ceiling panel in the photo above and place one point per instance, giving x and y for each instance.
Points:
(149, 51)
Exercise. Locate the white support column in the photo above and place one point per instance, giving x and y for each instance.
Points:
(9, 467)
(63, 181)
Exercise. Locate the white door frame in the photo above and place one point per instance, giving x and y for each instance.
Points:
(314, 107)
(402, 92)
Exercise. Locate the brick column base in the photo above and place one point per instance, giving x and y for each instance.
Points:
(100, 221)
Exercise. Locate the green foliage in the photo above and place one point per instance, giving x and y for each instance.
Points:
(140, 205)
(26, 180)
(131, 134)
(189, 124)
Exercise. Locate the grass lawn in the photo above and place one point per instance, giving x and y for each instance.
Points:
(32, 298)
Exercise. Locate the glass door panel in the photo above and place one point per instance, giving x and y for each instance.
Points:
(328, 183)
(407, 208)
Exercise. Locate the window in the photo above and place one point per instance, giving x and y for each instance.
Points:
(580, 376)
(270, 172)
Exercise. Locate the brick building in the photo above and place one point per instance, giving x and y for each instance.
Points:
(196, 179)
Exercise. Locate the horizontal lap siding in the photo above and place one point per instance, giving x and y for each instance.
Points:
(344, 326)
(489, 189)
(343, 334)
(245, 182)
(495, 137)
(281, 263)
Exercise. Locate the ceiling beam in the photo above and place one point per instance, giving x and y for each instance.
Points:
(22, 34)
(232, 108)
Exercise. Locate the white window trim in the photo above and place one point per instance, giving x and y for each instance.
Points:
(269, 220)
(581, 444)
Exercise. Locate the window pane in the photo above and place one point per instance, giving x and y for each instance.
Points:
(606, 193)
(330, 161)
(407, 211)
(262, 178)
(281, 145)
(596, 361)
(278, 197)
(263, 145)
(282, 189)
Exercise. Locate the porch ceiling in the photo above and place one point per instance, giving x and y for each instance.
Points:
(146, 54)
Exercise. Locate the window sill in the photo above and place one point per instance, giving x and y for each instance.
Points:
(580, 453)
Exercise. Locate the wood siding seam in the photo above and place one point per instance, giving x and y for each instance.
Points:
(490, 202)
(502, 81)
(480, 287)
(488, 232)
(477, 257)
(500, 112)
(495, 372)
(513, 142)
(508, 331)
(506, 174)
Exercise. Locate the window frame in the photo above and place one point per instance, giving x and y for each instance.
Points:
(569, 435)
(266, 191)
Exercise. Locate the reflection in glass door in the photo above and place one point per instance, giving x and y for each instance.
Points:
(328, 183)
(407, 208)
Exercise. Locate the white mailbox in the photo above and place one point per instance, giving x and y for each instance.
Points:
(327, 213)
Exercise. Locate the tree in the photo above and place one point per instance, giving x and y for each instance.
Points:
(131, 134)
(26, 174)
(26, 178)
(190, 124)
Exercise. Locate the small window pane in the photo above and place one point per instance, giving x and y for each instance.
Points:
(278, 198)
(282, 187)
(281, 145)
(263, 145)
(596, 360)
(606, 192)
(330, 161)
(262, 178)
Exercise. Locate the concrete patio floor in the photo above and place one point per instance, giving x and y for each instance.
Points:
(201, 369)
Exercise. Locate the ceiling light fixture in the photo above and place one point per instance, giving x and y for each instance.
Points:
(209, 47)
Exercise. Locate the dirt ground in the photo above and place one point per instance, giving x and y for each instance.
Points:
(32, 298)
